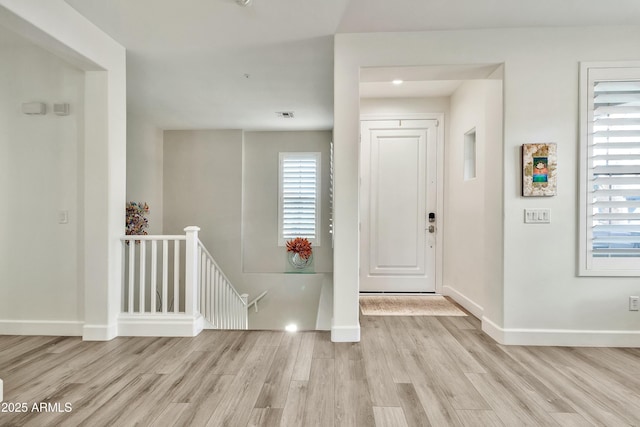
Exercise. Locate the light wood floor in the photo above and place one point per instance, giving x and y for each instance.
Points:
(420, 371)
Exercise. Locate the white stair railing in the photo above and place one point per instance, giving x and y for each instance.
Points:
(155, 285)
(152, 274)
(220, 303)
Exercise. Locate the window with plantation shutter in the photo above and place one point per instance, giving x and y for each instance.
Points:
(299, 206)
(610, 220)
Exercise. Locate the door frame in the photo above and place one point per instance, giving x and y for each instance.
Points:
(440, 223)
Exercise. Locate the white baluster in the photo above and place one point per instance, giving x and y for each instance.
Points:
(176, 276)
(143, 268)
(165, 275)
(207, 295)
(154, 273)
(229, 307)
(191, 270)
(132, 268)
(225, 313)
(245, 311)
(202, 277)
(216, 299)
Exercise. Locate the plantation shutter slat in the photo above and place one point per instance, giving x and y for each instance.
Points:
(614, 169)
(299, 190)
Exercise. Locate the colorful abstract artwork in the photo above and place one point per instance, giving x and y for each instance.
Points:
(539, 169)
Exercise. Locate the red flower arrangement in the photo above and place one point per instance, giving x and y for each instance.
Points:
(301, 246)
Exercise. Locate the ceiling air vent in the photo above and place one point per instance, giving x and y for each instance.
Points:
(285, 114)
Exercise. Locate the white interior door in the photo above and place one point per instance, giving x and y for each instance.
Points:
(398, 191)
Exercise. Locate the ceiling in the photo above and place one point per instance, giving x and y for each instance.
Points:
(206, 64)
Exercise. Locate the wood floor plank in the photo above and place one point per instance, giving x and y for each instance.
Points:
(451, 379)
(302, 368)
(474, 418)
(265, 417)
(401, 327)
(413, 410)
(496, 361)
(381, 384)
(203, 405)
(432, 398)
(509, 408)
(353, 407)
(323, 347)
(233, 356)
(293, 413)
(349, 364)
(167, 417)
(571, 420)
(236, 405)
(390, 351)
(276, 386)
(593, 410)
(320, 403)
(389, 417)
(459, 354)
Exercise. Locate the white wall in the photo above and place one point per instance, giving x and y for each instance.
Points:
(260, 250)
(464, 199)
(144, 167)
(41, 168)
(544, 300)
(203, 186)
(382, 106)
(57, 27)
(465, 240)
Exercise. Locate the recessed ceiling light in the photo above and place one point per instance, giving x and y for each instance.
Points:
(397, 82)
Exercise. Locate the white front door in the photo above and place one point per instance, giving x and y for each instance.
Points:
(398, 192)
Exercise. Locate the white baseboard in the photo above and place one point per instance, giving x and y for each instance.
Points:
(493, 330)
(99, 332)
(174, 325)
(63, 328)
(468, 304)
(561, 337)
(345, 333)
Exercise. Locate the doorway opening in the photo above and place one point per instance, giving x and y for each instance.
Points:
(426, 191)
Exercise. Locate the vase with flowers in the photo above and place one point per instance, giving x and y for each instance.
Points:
(136, 222)
(300, 252)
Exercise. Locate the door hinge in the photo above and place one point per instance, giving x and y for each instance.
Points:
(437, 122)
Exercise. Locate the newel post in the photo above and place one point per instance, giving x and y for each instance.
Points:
(191, 271)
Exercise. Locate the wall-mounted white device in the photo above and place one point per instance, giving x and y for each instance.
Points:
(61, 109)
(36, 108)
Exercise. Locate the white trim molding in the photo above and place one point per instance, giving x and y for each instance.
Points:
(164, 325)
(99, 332)
(468, 304)
(560, 337)
(65, 328)
(345, 333)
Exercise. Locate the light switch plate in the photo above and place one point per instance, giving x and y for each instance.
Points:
(537, 216)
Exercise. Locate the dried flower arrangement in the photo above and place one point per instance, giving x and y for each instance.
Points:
(136, 222)
(300, 246)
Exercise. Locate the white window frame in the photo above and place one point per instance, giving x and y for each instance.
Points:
(589, 265)
(318, 230)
